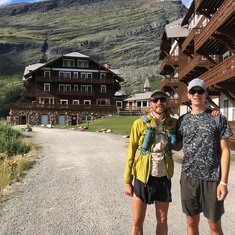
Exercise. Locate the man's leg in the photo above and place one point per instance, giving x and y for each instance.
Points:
(193, 224)
(161, 215)
(216, 228)
(139, 211)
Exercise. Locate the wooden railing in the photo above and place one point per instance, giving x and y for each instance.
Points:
(58, 107)
(224, 12)
(169, 82)
(169, 60)
(197, 61)
(75, 80)
(220, 72)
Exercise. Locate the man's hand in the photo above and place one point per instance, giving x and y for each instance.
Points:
(128, 189)
(222, 192)
(215, 112)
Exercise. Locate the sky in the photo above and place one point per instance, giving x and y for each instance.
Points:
(8, 2)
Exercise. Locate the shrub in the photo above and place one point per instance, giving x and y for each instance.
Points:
(12, 141)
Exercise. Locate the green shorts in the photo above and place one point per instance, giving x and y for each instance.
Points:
(200, 196)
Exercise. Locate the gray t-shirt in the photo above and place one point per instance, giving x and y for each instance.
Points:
(201, 137)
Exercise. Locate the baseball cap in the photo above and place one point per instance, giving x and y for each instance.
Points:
(196, 82)
(158, 91)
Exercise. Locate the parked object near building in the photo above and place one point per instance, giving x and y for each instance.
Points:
(69, 90)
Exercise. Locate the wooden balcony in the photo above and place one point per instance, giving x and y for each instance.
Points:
(199, 62)
(221, 72)
(169, 82)
(60, 107)
(226, 10)
(75, 80)
(171, 61)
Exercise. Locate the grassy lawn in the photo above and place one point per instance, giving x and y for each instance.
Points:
(118, 125)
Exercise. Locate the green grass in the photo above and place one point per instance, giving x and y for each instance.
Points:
(118, 125)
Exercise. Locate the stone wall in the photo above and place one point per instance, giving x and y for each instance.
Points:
(33, 117)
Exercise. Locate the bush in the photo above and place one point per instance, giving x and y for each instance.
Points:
(11, 141)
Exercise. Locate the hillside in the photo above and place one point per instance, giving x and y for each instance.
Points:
(123, 33)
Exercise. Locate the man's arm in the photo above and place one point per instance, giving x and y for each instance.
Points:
(222, 189)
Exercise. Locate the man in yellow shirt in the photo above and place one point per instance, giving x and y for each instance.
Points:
(151, 166)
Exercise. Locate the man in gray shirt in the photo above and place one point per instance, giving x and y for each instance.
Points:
(206, 161)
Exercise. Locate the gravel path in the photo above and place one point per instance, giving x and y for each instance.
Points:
(76, 188)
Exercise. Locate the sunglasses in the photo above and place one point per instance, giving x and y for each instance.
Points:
(162, 99)
(200, 91)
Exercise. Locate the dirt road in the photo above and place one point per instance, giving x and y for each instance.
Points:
(77, 188)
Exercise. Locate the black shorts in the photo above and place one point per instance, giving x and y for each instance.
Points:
(200, 196)
(156, 189)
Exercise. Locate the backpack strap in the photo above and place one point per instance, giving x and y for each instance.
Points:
(149, 136)
(145, 119)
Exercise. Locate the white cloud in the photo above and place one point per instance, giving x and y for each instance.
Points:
(8, 2)
(5, 2)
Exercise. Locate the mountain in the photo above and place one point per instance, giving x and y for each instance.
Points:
(125, 34)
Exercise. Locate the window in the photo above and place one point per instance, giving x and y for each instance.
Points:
(86, 75)
(82, 63)
(75, 74)
(61, 87)
(103, 89)
(86, 87)
(89, 75)
(64, 102)
(63, 74)
(76, 102)
(86, 118)
(47, 74)
(68, 87)
(46, 101)
(102, 101)
(68, 63)
(145, 103)
(83, 87)
(87, 102)
(47, 86)
(83, 75)
(119, 104)
(89, 87)
(102, 75)
(138, 103)
(75, 87)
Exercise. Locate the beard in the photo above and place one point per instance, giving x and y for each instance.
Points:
(159, 109)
